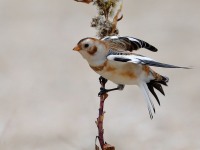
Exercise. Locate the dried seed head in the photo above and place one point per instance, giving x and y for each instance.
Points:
(104, 23)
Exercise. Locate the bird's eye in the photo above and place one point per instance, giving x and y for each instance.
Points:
(86, 45)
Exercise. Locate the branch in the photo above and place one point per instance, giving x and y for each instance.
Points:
(99, 122)
(84, 1)
(106, 24)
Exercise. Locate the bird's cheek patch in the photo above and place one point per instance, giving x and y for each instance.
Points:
(92, 50)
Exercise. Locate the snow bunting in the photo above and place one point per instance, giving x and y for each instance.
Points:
(113, 59)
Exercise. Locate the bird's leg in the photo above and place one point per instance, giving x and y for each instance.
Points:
(102, 80)
(103, 90)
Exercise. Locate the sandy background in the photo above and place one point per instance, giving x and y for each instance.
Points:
(48, 94)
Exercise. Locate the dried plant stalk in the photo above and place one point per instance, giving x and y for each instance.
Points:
(84, 1)
(106, 24)
(99, 122)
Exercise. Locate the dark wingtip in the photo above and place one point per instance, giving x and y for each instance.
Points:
(149, 46)
(152, 48)
(187, 67)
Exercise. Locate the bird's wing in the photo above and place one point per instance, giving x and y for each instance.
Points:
(139, 59)
(127, 43)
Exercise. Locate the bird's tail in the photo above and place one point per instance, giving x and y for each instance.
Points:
(146, 87)
(148, 100)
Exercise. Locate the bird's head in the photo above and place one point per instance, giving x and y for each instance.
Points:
(91, 49)
(86, 45)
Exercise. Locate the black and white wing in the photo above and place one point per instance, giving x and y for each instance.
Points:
(139, 59)
(128, 43)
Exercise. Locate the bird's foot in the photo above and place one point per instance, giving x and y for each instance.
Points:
(102, 91)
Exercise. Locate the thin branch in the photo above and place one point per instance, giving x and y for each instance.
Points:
(100, 120)
(84, 1)
(105, 27)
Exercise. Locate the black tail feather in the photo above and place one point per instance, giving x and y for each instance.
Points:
(153, 92)
(157, 85)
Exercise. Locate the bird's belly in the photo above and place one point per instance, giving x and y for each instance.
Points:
(120, 78)
(122, 73)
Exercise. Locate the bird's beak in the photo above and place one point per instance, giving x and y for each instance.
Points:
(77, 48)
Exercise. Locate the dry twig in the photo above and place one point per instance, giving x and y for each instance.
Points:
(84, 1)
(105, 25)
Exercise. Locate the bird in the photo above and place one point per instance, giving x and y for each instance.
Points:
(114, 59)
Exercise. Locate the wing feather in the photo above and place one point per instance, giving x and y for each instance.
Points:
(138, 59)
(128, 43)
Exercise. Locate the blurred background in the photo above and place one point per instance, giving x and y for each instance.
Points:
(48, 94)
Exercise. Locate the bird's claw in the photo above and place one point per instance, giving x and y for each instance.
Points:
(102, 91)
